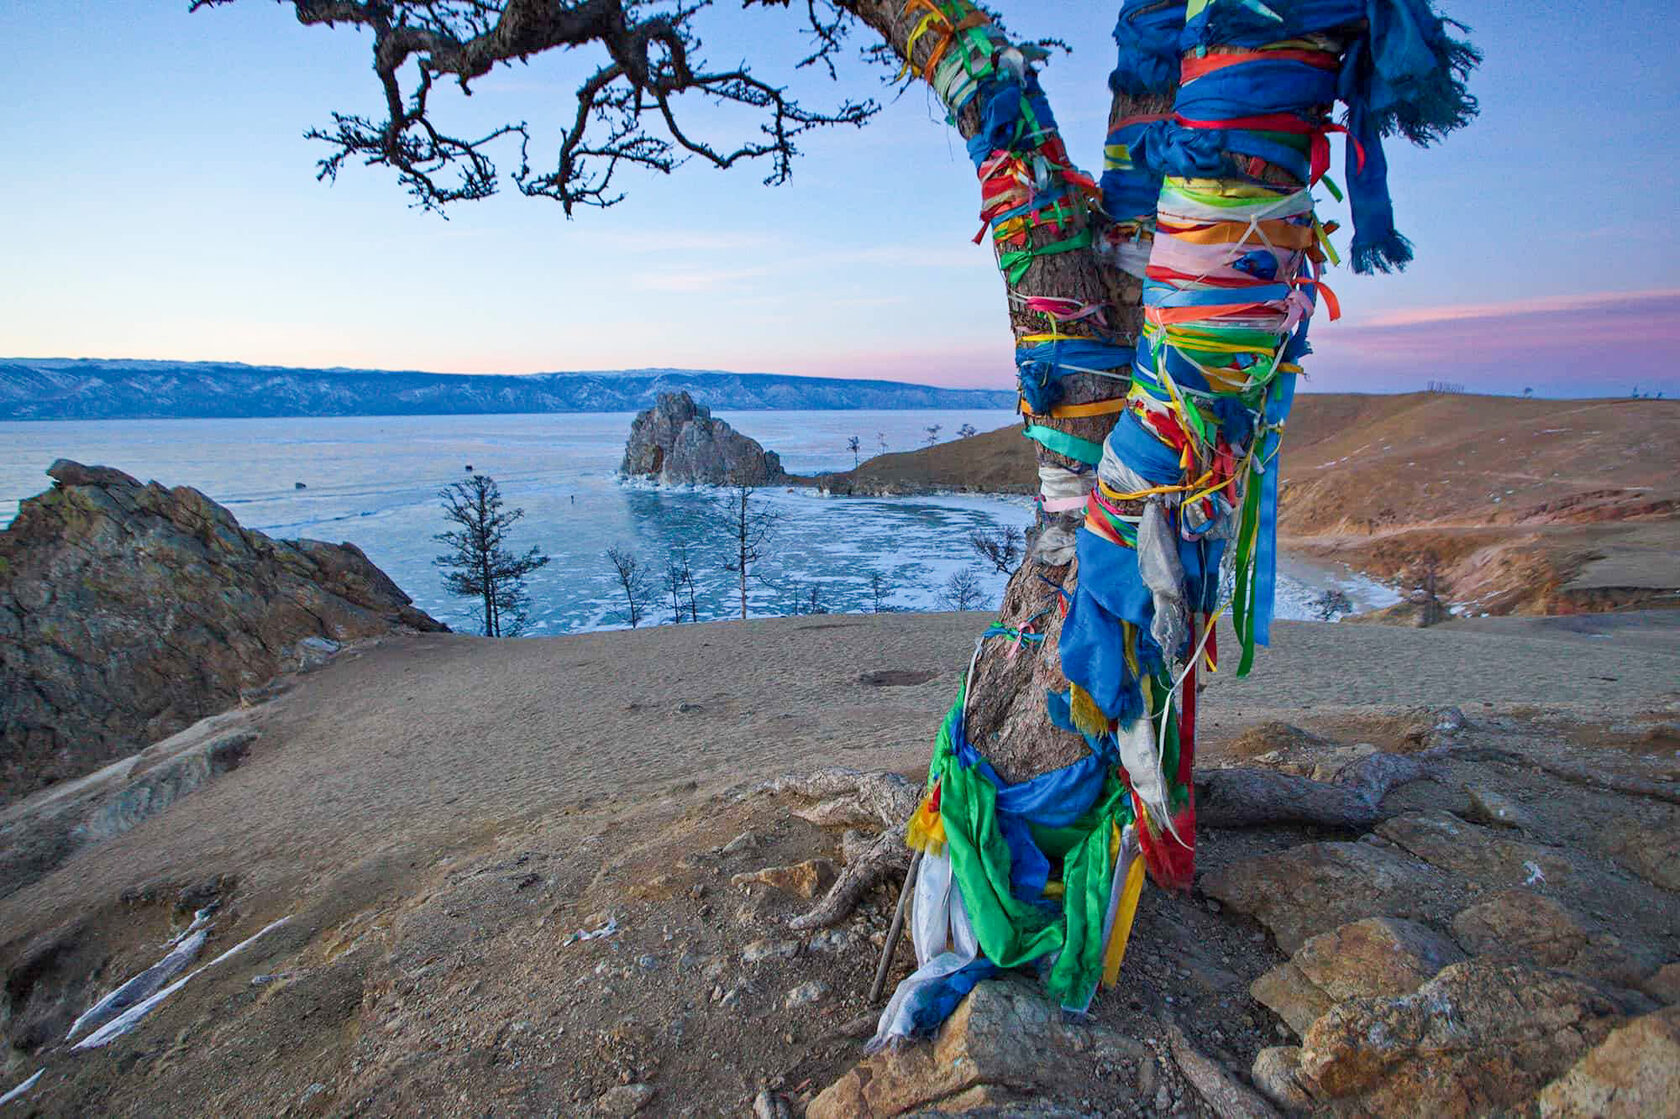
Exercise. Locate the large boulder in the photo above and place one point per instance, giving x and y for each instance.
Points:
(130, 611)
(1635, 1072)
(1478, 1038)
(1314, 888)
(677, 442)
(1378, 956)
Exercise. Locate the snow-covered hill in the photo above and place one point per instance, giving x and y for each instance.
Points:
(63, 388)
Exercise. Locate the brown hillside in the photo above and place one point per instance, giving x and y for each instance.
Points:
(1532, 506)
(998, 461)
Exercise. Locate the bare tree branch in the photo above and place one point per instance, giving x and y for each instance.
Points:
(628, 110)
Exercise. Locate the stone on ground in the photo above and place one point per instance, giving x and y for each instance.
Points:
(1494, 810)
(1004, 1047)
(623, 1101)
(1473, 852)
(1317, 887)
(1376, 956)
(1478, 1038)
(1635, 1072)
(1651, 853)
(804, 879)
(1274, 1074)
(1523, 926)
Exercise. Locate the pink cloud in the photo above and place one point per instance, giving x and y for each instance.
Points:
(1541, 305)
(1574, 345)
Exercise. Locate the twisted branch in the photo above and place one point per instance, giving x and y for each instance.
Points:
(627, 110)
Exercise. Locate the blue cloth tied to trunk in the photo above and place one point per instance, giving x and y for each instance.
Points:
(1051, 800)
(1402, 74)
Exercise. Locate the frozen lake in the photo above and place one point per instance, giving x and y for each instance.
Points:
(374, 481)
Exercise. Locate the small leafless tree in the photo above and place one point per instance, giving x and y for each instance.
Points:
(749, 528)
(1331, 604)
(999, 547)
(679, 581)
(963, 591)
(478, 563)
(878, 591)
(1427, 588)
(854, 444)
(674, 587)
(933, 431)
(881, 441)
(633, 581)
(967, 431)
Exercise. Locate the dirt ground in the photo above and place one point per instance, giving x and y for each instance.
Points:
(440, 815)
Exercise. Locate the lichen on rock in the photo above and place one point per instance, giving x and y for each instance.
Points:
(130, 611)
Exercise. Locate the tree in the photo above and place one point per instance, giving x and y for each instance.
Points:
(881, 441)
(478, 564)
(932, 434)
(1427, 589)
(749, 529)
(1331, 604)
(878, 591)
(852, 445)
(632, 578)
(674, 587)
(962, 591)
(1072, 266)
(967, 431)
(679, 581)
(999, 547)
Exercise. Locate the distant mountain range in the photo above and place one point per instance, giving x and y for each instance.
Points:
(88, 389)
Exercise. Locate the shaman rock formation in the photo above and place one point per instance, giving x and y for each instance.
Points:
(129, 611)
(677, 442)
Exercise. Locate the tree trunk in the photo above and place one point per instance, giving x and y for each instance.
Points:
(1007, 720)
(741, 539)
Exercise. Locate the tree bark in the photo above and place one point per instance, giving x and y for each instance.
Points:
(1007, 720)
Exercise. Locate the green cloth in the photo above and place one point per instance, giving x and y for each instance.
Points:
(1072, 446)
(1012, 932)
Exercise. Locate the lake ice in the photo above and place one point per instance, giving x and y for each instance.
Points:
(374, 481)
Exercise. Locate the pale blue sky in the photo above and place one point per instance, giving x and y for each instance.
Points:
(158, 201)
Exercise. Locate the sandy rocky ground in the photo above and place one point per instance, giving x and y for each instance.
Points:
(441, 817)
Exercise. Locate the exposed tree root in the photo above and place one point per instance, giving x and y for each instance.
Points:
(851, 797)
(1579, 775)
(1248, 796)
(1237, 797)
(887, 857)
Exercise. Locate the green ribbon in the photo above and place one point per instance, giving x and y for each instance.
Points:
(1071, 446)
(1010, 931)
(1016, 262)
(1242, 598)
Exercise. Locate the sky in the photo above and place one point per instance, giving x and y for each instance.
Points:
(158, 200)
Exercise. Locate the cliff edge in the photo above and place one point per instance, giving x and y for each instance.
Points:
(129, 611)
(677, 442)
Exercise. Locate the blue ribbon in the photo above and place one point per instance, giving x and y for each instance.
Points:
(1051, 800)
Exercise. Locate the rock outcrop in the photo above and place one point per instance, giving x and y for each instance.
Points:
(41, 832)
(130, 611)
(677, 442)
